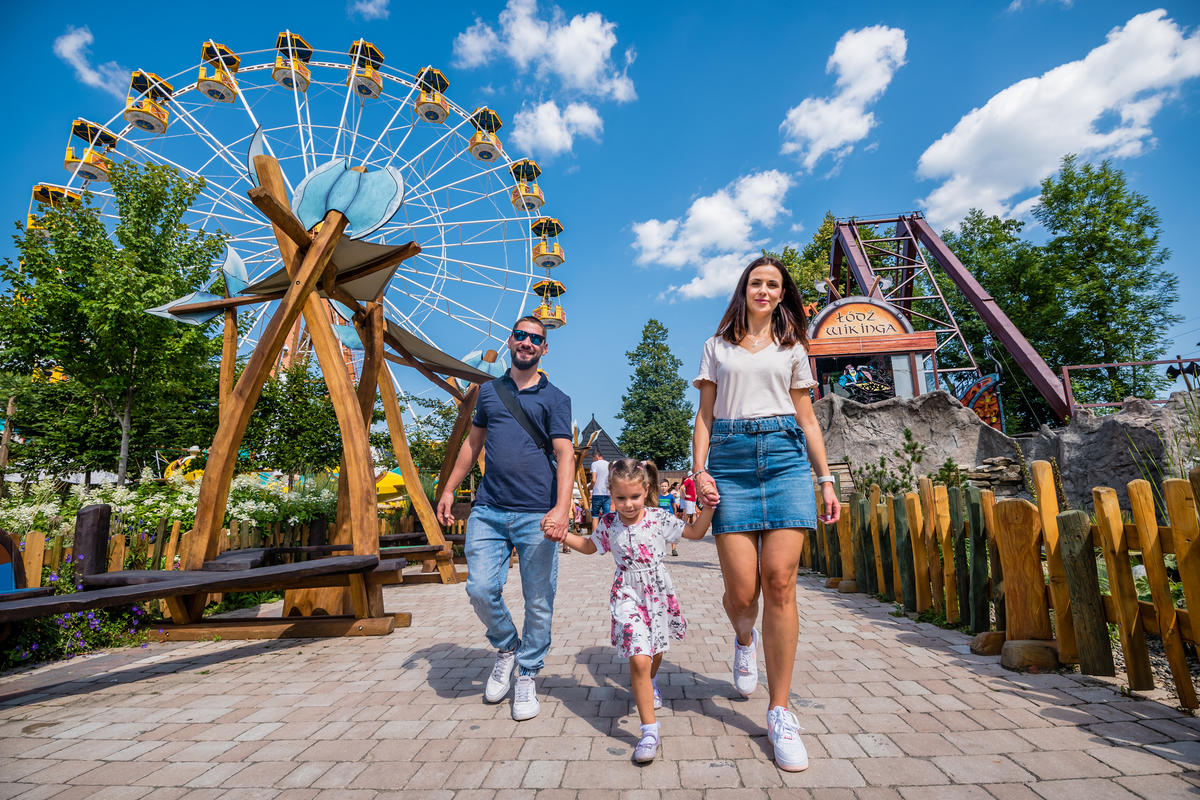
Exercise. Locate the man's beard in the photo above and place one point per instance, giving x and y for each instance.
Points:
(521, 362)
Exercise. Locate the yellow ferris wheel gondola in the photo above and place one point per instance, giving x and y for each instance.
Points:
(146, 106)
(219, 86)
(90, 164)
(431, 103)
(527, 196)
(291, 62)
(550, 313)
(365, 77)
(485, 144)
(547, 254)
(47, 195)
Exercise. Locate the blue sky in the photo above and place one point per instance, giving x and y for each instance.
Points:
(676, 140)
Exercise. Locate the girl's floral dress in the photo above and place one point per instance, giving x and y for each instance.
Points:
(645, 611)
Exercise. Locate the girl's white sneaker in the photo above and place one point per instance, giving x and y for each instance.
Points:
(647, 746)
(783, 732)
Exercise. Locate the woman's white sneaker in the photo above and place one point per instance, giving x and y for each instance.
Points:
(745, 665)
(783, 732)
(501, 677)
(525, 702)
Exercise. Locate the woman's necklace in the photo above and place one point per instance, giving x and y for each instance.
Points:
(758, 340)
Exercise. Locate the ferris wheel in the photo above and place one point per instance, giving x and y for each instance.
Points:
(487, 246)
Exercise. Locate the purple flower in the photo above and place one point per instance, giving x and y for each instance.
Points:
(53, 577)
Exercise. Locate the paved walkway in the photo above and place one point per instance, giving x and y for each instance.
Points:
(893, 709)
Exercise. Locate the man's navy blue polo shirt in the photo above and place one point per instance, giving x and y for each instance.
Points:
(517, 475)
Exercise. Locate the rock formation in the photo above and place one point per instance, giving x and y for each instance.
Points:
(1094, 450)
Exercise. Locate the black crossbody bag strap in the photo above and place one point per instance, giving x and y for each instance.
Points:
(505, 390)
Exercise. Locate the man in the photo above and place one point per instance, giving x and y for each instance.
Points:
(522, 504)
(601, 497)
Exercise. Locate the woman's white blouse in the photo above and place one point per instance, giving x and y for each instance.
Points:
(751, 385)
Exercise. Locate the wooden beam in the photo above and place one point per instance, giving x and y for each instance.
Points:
(284, 628)
(452, 372)
(408, 470)
(280, 215)
(228, 362)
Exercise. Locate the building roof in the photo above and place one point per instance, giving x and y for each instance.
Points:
(604, 443)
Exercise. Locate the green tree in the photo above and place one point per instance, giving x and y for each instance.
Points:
(1017, 275)
(1093, 293)
(658, 417)
(76, 300)
(1116, 298)
(810, 263)
(294, 427)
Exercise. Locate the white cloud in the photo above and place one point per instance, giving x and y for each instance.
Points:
(547, 130)
(73, 46)
(1098, 107)
(864, 61)
(577, 51)
(369, 9)
(718, 235)
(1017, 5)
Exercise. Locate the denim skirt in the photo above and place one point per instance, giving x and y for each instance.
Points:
(762, 473)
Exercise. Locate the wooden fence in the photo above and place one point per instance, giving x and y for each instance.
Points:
(1025, 578)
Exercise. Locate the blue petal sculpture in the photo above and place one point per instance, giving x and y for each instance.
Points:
(368, 199)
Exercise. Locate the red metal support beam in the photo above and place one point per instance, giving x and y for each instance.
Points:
(1031, 363)
(846, 239)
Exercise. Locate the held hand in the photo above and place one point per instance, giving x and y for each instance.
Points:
(443, 509)
(554, 525)
(707, 488)
(833, 509)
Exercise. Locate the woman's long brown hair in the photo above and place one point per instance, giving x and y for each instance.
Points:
(789, 325)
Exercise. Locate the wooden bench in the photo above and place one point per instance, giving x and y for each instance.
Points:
(233, 560)
(136, 586)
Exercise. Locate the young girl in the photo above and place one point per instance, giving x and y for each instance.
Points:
(645, 611)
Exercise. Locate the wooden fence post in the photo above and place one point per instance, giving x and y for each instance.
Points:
(892, 548)
(904, 553)
(916, 526)
(958, 541)
(1087, 605)
(1120, 586)
(1185, 530)
(980, 619)
(1141, 502)
(873, 525)
(988, 499)
(1064, 629)
(941, 512)
(929, 535)
(889, 588)
(846, 547)
(869, 572)
(34, 557)
(1018, 536)
(1181, 505)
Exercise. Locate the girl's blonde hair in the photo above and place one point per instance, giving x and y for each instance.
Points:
(630, 469)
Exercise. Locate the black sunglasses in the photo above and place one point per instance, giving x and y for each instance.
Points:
(536, 338)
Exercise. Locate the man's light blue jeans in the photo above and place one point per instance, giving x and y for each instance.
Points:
(492, 535)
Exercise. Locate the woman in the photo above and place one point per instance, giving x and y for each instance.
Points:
(754, 429)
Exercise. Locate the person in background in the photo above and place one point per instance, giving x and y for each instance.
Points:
(666, 501)
(600, 493)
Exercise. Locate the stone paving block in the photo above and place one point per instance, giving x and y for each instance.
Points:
(1158, 787)
(1185, 754)
(981, 768)
(1060, 764)
(900, 771)
(1086, 789)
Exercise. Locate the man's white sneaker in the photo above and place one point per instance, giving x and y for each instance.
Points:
(525, 702)
(783, 732)
(745, 665)
(498, 682)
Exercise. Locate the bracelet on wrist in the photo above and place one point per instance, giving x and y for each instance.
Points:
(824, 479)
